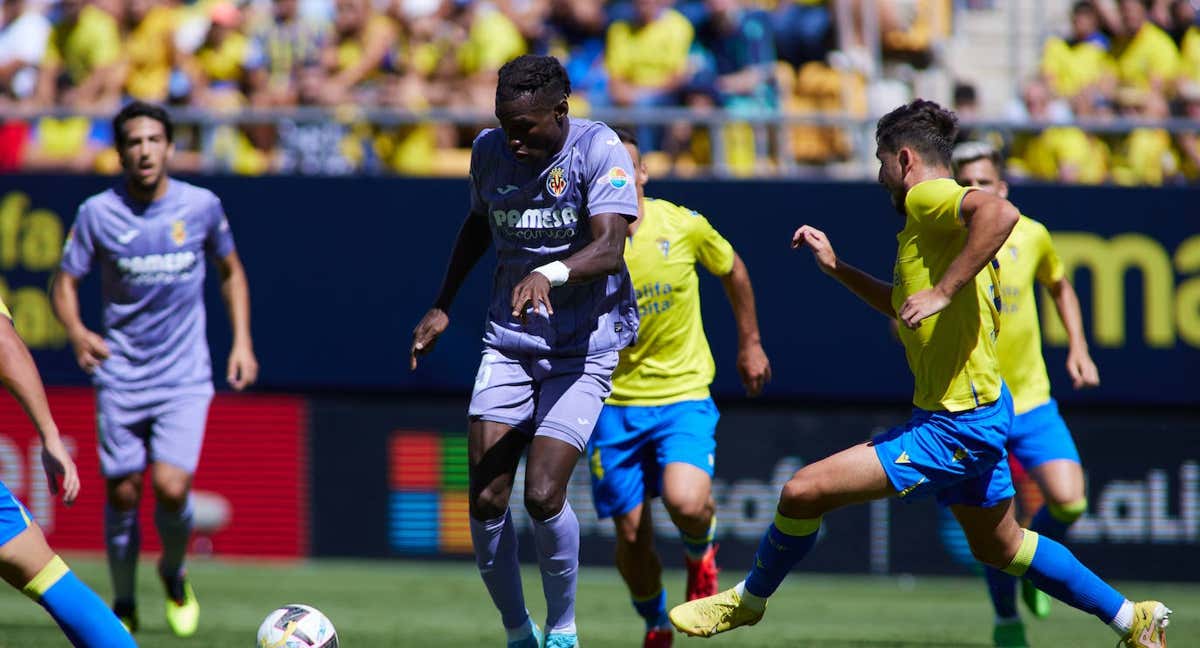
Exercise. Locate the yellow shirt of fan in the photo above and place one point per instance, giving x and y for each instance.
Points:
(92, 42)
(1027, 258)
(671, 361)
(952, 354)
(1149, 54)
(651, 54)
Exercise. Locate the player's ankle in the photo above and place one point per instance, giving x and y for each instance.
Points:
(748, 600)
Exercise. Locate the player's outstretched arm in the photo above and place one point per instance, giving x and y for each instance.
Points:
(600, 258)
(472, 241)
(989, 220)
(20, 377)
(242, 369)
(90, 348)
(753, 365)
(877, 294)
(1080, 366)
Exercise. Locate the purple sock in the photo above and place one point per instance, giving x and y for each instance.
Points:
(175, 529)
(123, 540)
(558, 555)
(496, 555)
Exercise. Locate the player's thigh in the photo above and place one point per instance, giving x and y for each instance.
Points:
(992, 531)
(1061, 481)
(851, 476)
(23, 548)
(685, 446)
(570, 395)
(1040, 436)
(493, 452)
(122, 432)
(686, 489)
(176, 437)
(548, 469)
(621, 461)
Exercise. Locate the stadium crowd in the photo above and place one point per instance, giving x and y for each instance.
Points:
(752, 57)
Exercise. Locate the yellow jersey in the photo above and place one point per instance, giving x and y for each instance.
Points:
(1150, 54)
(91, 42)
(952, 354)
(1027, 257)
(149, 50)
(651, 54)
(1190, 55)
(1072, 69)
(4, 310)
(671, 361)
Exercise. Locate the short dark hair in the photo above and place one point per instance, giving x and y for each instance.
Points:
(136, 109)
(626, 135)
(965, 93)
(540, 76)
(922, 125)
(968, 152)
(1083, 6)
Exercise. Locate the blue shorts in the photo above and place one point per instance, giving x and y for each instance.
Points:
(1041, 435)
(959, 456)
(631, 445)
(14, 517)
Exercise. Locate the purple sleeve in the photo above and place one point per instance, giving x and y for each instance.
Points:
(610, 179)
(478, 205)
(79, 249)
(218, 240)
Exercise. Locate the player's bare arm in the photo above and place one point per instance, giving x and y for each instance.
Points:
(472, 241)
(1080, 366)
(989, 220)
(752, 362)
(876, 293)
(242, 369)
(600, 258)
(90, 348)
(20, 377)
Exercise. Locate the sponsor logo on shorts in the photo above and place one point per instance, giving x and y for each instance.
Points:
(556, 182)
(618, 177)
(903, 458)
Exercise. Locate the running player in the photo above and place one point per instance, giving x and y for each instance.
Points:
(556, 195)
(944, 293)
(151, 368)
(655, 434)
(1039, 439)
(26, 561)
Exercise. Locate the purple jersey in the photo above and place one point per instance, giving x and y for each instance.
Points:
(539, 215)
(152, 266)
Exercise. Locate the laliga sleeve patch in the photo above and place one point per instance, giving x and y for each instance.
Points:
(618, 177)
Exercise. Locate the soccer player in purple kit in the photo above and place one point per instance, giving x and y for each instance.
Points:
(153, 375)
(556, 195)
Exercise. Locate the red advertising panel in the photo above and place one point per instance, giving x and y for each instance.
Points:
(251, 489)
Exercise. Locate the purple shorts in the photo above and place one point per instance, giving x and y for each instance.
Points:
(557, 397)
(136, 428)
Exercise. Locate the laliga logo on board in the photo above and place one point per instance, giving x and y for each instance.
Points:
(556, 182)
(617, 177)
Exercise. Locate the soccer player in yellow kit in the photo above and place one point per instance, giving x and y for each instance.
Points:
(944, 291)
(1039, 439)
(655, 433)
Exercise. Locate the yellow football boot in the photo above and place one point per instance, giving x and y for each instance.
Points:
(183, 617)
(713, 615)
(1150, 620)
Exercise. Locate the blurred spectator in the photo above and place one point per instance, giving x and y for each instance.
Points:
(1183, 18)
(647, 57)
(1146, 156)
(966, 106)
(75, 144)
(1057, 153)
(1189, 142)
(1082, 60)
(23, 34)
(492, 40)
(83, 59)
(1146, 57)
(14, 135)
(216, 71)
(279, 50)
(364, 44)
(529, 17)
(576, 36)
(1038, 104)
(149, 48)
(738, 58)
(803, 30)
(1190, 53)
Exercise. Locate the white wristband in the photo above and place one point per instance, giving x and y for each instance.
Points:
(556, 271)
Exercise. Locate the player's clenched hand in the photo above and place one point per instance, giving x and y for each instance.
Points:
(532, 292)
(922, 304)
(815, 240)
(57, 463)
(754, 368)
(242, 370)
(1082, 370)
(90, 350)
(426, 334)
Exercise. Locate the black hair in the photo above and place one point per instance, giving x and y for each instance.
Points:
(626, 135)
(136, 109)
(965, 93)
(921, 125)
(1083, 6)
(540, 76)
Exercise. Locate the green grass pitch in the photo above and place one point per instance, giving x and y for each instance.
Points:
(383, 604)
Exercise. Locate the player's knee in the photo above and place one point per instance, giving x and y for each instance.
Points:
(802, 497)
(172, 493)
(543, 500)
(628, 531)
(1067, 512)
(689, 509)
(125, 492)
(996, 550)
(488, 504)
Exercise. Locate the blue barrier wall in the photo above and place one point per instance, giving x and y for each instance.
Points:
(342, 269)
